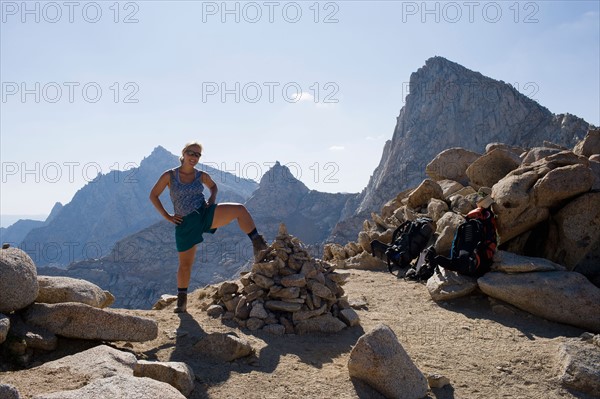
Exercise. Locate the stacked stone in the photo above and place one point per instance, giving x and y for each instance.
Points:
(287, 292)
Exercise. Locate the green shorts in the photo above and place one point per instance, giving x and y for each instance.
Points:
(189, 232)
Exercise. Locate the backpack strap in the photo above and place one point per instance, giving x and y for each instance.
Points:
(400, 230)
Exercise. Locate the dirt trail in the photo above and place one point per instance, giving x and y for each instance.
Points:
(486, 348)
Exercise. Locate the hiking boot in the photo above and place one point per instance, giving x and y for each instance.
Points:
(181, 303)
(260, 247)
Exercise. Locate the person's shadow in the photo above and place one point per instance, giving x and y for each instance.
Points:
(186, 335)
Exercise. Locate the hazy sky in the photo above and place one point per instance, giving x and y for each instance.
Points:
(90, 86)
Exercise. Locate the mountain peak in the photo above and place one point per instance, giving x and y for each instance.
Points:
(159, 155)
(449, 106)
(55, 210)
(280, 176)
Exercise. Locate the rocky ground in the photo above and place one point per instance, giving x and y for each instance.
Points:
(486, 349)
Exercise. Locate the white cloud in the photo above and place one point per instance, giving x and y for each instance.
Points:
(303, 97)
(377, 138)
(337, 148)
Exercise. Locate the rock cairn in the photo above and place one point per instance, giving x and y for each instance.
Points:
(286, 292)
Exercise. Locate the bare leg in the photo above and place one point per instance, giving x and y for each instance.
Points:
(186, 259)
(227, 212)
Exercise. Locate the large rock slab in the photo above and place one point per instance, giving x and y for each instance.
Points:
(177, 374)
(579, 365)
(565, 297)
(76, 320)
(509, 262)
(574, 231)
(67, 289)
(452, 164)
(447, 285)
(491, 167)
(99, 362)
(18, 280)
(563, 183)
(524, 196)
(380, 360)
(119, 387)
(4, 326)
(223, 347)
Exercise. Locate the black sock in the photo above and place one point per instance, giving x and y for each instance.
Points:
(182, 290)
(253, 234)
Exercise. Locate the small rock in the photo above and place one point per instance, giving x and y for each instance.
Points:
(447, 285)
(258, 311)
(437, 381)
(176, 374)
(224, 347)
(294, 280)
(164, 301)
(325, 323)
(502, 310)
(421, 195)
(350, 317)
(254, 324)
(379, 359)
(358, 303)
(34, 337)
(275, 329)
(228, 288)
(283, 306)
(215, 310)
(8, 391)
(242, 311)
(307, 314)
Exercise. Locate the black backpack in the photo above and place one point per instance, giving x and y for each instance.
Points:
(408, 240)
(476, 238)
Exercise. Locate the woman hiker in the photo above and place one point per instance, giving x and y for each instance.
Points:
(194, 215)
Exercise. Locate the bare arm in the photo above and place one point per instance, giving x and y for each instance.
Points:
(212, 186)
(159, 187)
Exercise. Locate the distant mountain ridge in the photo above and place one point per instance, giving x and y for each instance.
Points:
(16, 232)
(142, 266)
(109, 208)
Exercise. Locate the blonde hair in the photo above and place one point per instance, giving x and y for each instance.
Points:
(187, 146)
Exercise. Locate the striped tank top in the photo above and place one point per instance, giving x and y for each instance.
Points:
(186, 197)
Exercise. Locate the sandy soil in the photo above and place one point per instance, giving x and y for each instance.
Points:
(486, 348)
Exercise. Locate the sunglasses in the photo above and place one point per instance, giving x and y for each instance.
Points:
(193, 153)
